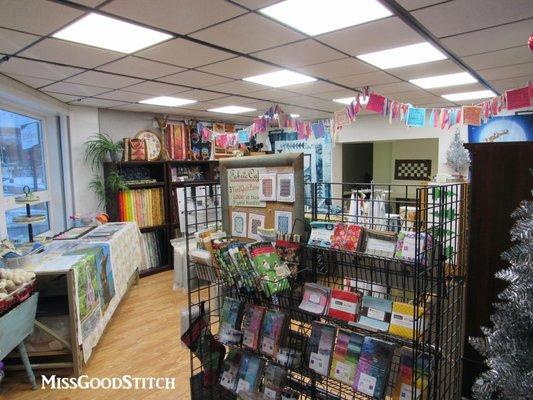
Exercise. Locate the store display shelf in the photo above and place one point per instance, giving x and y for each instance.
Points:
(152, 228)
(145, 185)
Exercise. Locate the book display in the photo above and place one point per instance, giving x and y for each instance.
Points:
(343, 311)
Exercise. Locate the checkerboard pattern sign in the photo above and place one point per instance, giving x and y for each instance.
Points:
(412, 170)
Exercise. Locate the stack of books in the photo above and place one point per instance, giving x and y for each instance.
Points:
(144, 206)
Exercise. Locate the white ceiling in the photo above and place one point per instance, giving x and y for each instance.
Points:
(218, 42)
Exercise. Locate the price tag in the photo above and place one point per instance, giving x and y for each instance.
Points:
(314, 298)
(242, 385)
(269, 394)
(343, 372)
(267, 346)
(405, 391)
(375, 314)
(366, 384)
(248, 339)
(319, 363)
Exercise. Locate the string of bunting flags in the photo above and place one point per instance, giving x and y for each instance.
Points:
(273, 117)
(443, 118)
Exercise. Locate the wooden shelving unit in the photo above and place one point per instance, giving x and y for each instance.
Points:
(162, 173)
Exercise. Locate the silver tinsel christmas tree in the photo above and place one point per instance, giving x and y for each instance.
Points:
(457, 156)
(508, 346)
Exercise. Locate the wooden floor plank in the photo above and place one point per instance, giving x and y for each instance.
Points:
(141, 340)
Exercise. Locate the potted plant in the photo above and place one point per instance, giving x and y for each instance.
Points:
(100, 148)
(113, 183)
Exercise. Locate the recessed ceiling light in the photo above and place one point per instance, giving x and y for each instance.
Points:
(348, 100)
(438, 81)
(231, 109)
(167, 101)
(321, 16)
(111, 34)
(280, 78)
(401, 56)
(479, 94)
(295, 115)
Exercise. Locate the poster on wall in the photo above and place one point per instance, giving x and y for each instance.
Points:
(513, 128)
(243, 187)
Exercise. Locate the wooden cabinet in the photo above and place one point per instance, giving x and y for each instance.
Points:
(500, 180)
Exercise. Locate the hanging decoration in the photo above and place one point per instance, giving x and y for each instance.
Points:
(443, 118)
(274, 116)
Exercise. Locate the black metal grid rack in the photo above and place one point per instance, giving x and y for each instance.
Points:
(433, 281)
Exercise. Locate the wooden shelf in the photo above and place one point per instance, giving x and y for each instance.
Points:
(193, 183)
(145, 185)
(153, 228)
(151, 271)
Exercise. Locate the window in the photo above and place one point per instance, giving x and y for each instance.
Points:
(23, 163)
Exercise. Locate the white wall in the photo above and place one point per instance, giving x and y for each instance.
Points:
(372, 128)
(122, 124)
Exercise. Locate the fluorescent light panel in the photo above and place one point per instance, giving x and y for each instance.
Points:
(479, 94)
(231, 109)
(111, 34)
(402, 56)
(431, 82)
(167, 101)
(295, 115)
(321, 16)
(280, 78)
(348, 100)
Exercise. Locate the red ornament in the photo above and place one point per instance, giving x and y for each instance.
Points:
(530, 42)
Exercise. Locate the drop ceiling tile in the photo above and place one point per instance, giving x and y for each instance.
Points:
(63, 97)
(200, 106)
(392, 88)
(271, 94)
(434, 68)
(39, 17)
(459, 16)
(232, 101)
(239, 67)
(440, 104)
(140, 67)
(336, 94)
(312, 87)
(137, 107)
(195, 79)
(510, 71)
(260, 106)
(13, 41)
(416, 97)
(69, 53)
(201, 95)
(101, 79)
(377, 35)
(414, 4)
(74, 89)
(155, 88)
(333, 69)
(471, 87)
(124, 96)
(502, 37)
(500, 58)
(37, 69)
(236, 87)
(305, 52)
(31, 81)
(256, 4)
(248, 33)
(184, 53)
(369, 79)
(100, 103)
(507, 84)
(181, 16)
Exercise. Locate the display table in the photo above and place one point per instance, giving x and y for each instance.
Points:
(81, 282)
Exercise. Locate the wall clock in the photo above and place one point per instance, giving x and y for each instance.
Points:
(153, 143)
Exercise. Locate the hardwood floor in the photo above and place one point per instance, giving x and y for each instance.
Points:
(142, 340)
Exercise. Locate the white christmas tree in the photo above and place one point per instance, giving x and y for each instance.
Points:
(457, 156)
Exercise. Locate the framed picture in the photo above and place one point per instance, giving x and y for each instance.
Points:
(285, 189)
(238, 224)
(267, 187)
(255, 221)
(379, 243)
(412, 170)
(283, 221)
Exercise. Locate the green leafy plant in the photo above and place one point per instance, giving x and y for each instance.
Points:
(98, 147)
(113, 183)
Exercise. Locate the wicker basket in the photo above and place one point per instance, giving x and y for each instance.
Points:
(18, 296)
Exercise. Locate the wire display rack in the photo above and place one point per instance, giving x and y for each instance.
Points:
(432, 281)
